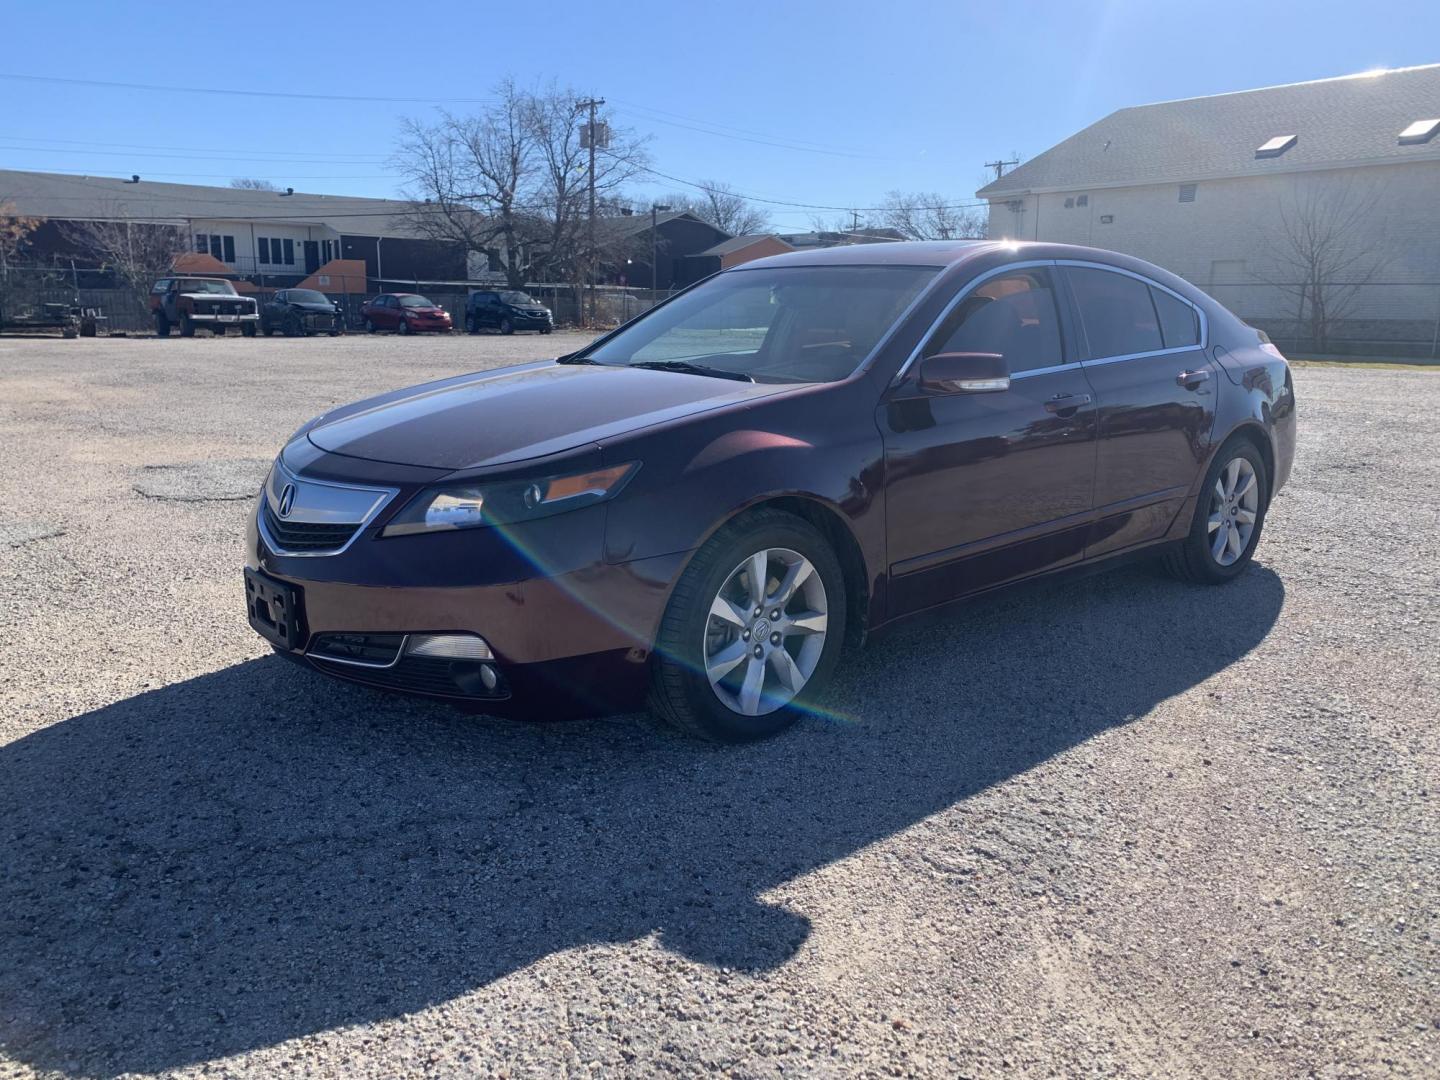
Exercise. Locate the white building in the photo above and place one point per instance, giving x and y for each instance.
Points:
(1316, 201)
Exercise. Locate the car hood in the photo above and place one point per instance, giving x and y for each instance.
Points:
(514, 414)
(325, 309)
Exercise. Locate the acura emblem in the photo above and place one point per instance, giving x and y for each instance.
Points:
(287, 500)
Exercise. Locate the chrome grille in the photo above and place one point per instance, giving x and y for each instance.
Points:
(307, 536)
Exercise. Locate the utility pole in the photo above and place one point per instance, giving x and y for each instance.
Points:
(592, 136)
(999, 166)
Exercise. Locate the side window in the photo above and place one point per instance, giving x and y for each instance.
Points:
(1178, 322)
(262, 246)
(202, 244)
(1014, 315)
(289, 252)
(229, 248)
(161, 286)
(1116, 310)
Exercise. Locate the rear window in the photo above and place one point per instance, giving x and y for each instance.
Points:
(1117, 313)
(1179, 324)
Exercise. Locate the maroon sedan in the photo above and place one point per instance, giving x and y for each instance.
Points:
(702, 508)
(405, 313)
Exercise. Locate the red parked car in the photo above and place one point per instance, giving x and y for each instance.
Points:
(405, 313)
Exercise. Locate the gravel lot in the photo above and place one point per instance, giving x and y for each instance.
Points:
(1113, 826)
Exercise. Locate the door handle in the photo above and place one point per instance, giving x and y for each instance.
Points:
(1066, 404)
(1191, 379)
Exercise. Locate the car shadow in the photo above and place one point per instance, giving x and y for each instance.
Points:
(258, 853)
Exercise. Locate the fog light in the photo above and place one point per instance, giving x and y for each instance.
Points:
(488, 677)
(450, 647)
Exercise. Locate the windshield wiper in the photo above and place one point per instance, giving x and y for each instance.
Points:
(574, 358)
(687, 368)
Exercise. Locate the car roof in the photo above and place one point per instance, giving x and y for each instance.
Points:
(899, 253)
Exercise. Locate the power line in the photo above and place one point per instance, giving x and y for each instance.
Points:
(236, 92)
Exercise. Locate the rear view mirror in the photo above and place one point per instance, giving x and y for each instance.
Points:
(964, 373)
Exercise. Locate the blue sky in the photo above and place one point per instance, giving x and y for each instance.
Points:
(829, 103)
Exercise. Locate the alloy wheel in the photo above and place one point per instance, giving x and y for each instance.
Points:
(765, 632)
(1234, 510)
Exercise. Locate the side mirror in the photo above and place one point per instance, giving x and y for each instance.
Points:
(964, 373)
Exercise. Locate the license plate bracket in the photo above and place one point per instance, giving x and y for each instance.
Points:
(229, 318)
(274, 610)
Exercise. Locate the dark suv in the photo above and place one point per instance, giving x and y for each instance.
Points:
(507, 312)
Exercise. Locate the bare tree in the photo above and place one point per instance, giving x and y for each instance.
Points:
(717, 204)
(1326, 246)
(512, 177)
(253, 183)
(136, 252)
(928, 215)
(15, 229)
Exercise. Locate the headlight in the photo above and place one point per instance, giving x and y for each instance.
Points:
(505, 502)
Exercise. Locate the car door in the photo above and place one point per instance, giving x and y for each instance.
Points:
(1145, 357)
(274, 307)
(488, 309)
(388, 308)
(983, 488)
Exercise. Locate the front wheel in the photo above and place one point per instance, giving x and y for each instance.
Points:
(1228, 518)
(753, 630)
(506, 326)
(369, 327)
(162, 325)
(187, 326)
(404, 327)
(248, 329)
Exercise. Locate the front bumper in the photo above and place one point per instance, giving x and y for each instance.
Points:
(570, 634)
(226, 317)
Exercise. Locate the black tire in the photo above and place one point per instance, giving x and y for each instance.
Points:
(334, 333)
(545, 329)
(506, 326)
(248, 329)
(293, 326)
(403, 328)
(268, 331)
(1192, 559)
(680, 693)
(369, 327)
(217, 331)
(187, 326)
(471, 326)
(162, 325)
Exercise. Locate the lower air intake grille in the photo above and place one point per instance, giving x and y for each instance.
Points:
(307, 536)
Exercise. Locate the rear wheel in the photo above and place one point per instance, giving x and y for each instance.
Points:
(753, 630)
(1228, 518)
(369, 327)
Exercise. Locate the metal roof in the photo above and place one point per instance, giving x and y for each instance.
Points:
(1353, 120)
(89, 198)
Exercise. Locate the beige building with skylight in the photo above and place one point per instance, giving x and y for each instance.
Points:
(1312, 210)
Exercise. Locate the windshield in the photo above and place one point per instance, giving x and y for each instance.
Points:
(209, 288)
(786, 324)
(415, 301)
(306, 296)
(519, 299)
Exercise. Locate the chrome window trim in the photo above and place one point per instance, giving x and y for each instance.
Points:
(973, 284)
(1082, 263)
(1199, 313)
(383, 497)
